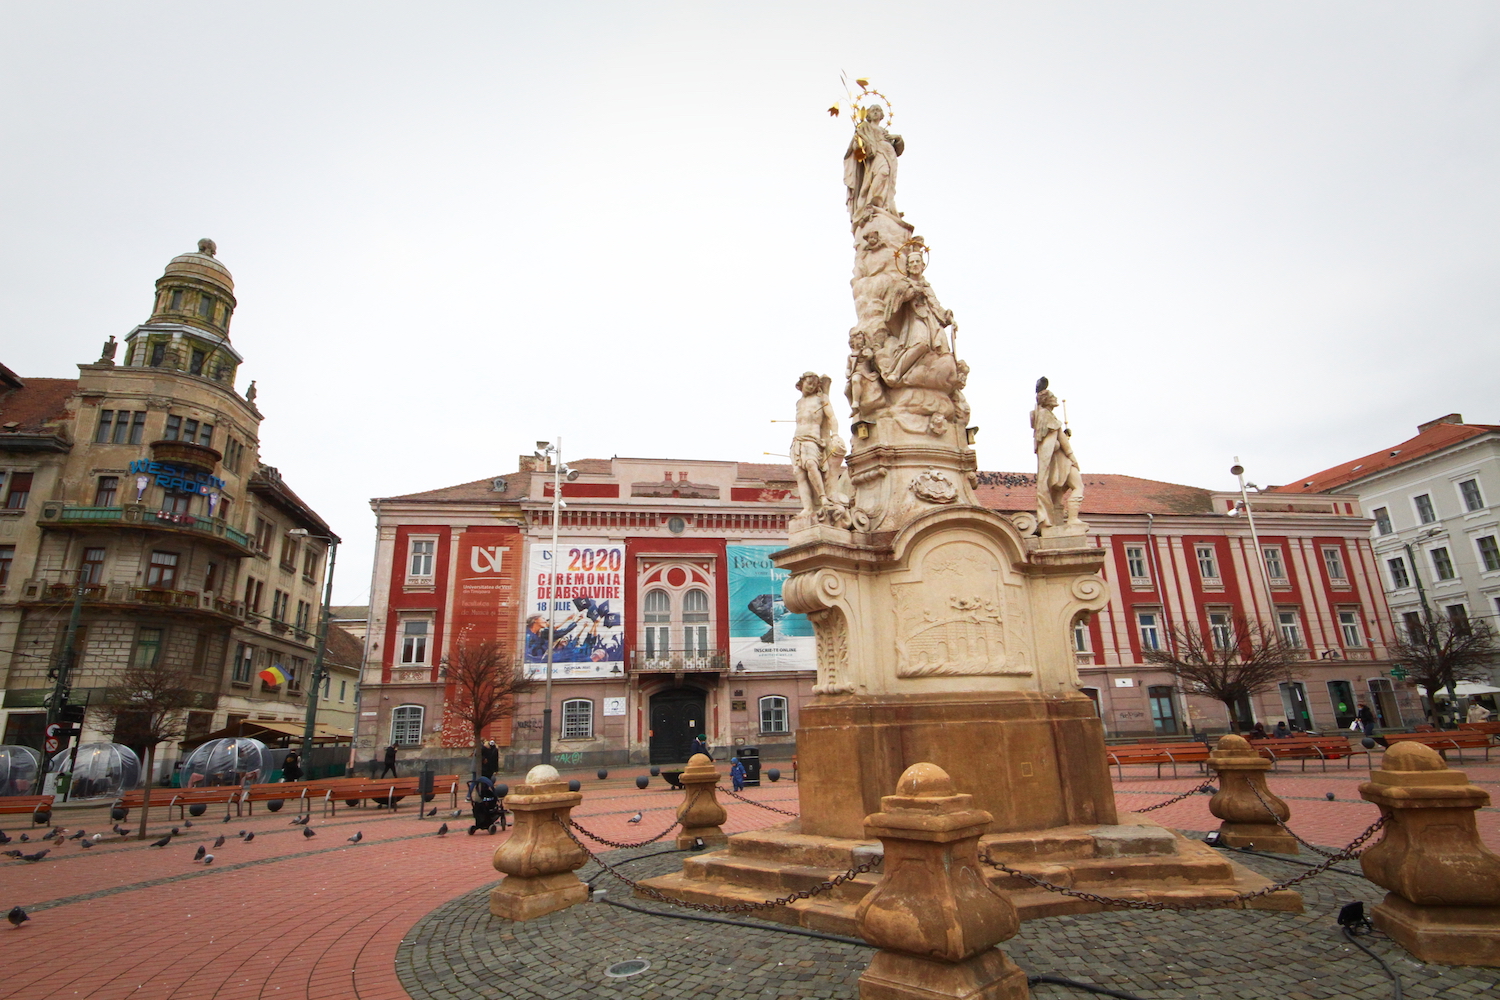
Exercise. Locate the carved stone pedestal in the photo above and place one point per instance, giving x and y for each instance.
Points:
(1444, 903)
(700, 813)
(539, 858)
(1242, 774)
(933, 915)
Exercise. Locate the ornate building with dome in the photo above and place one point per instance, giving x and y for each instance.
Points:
(136, 512)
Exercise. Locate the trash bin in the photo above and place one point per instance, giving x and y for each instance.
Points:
(750, 757)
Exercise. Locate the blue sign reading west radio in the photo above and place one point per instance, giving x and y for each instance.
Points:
(176, 478)
(763, 635)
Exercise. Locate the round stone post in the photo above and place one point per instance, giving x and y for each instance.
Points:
(934, 916)
(700, 813)
(539, 858)
(1444, 899)
(1242, 773)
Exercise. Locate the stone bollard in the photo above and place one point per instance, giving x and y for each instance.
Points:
(700, 813)
(934, 916)
(539, 858)
(1242, 773)
(1444, 899)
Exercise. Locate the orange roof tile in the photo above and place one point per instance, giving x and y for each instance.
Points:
(36, 402)
(1435, 437)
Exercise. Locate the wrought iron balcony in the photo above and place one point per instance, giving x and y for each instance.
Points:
(672, 663)
(140, 516)
(124, 595)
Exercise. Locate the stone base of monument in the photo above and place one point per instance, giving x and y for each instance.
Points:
(1452, 935)
(1135, 859)
(518, 898)
(989, 975)
(1261, 836)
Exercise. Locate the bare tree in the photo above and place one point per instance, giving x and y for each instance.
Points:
(1444, 652)
(483, 682)
(147, 704)
(1229, 663)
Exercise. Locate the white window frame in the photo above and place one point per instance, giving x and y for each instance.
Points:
(1208, 562)
(418, 643)
(1437, 566)
(1274, 561)
(1395, 565)
(1082, 641)
(577, 719)
(695, 623)
(1135, 558)
(1333, 562)
(1382, 518)
(657, 623)
(1150, 635)
(1290, 630)
(1221, 629)
(1351, 629)
(404, 720)
(769, 710)
(1484, 563)
(427, 557)
(1463, 501)
(1416, 507)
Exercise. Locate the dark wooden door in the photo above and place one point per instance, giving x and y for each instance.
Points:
(676, 717)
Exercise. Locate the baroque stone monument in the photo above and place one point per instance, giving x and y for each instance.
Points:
(942, 627)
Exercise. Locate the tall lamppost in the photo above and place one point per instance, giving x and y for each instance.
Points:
(317, 672)
(1238, 471)
(552, 454)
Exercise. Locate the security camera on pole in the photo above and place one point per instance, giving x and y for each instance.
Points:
(552, 455)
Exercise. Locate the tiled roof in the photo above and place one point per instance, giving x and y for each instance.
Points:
(343, 648)
(38, 401)
(479, 491)
(1103, 493)
(349, 612)
(1435, 437)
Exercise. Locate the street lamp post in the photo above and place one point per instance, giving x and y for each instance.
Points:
(552, 453)
(317, 672)
(1238, 471)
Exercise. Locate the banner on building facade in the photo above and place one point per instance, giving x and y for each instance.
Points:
(587, 634)
(762, 634)
(487, 589)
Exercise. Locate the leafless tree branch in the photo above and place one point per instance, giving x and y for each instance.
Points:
(1238, 662)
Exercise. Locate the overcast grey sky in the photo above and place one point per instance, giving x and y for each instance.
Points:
(1260, 229)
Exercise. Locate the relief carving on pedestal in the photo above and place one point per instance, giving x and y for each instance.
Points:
(954, 620)
(934, 487)
(832, 631)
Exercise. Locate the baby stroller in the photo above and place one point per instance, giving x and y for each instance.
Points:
(489, 814)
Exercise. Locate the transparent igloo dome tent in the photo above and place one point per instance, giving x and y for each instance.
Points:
(231, 761)
(18, 767)
(102, 770)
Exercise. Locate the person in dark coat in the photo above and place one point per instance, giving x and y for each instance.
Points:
(700, 745)
(291, 768)
(489, 758)
(1367, 720)
(390, 762)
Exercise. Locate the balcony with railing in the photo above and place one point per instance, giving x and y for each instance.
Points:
(678, 662)
(139, 516)
(125, 596)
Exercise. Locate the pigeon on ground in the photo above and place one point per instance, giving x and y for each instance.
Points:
(242, 834)
(1329, 795)
(198, 855)
(430, 812)
(17, 916)
(301, 820)
(97, 837)
(77, 836)
(11, 854)
(86, 844)
(442, 829)
(249, 836)
(120, 831)
(219, 843)
(309, 832)
(176, 832)
(227, 818)
(39, 855)
(163, 842)
(58, 842)
(208, 859)
(56, 831)
(187, 822)
(457, 813)
(358, 836)
(634, 819)
(25, 839)
(4, 837)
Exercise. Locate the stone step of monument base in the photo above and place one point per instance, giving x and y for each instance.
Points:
(1134, 860)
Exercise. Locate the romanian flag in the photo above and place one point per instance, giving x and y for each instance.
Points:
(273, 676)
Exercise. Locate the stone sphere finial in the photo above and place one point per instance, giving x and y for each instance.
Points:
(925, 781)
(1234, 744)
(1412, 757)
(208, 246)
(699, 759)
(541, 774)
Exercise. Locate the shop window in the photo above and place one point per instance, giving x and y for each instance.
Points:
(1163, 709)
(578, 719)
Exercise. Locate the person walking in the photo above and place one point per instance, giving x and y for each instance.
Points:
(1367, 720)
(390, 762)
(737, 773)
(700, 745)
(489, 758)
(1477, 712)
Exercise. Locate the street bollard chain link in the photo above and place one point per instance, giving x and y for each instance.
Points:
(615, 843)
(1290, 832)
(1207, 786)
(737, 795)
(661, 897)
(1354, 850)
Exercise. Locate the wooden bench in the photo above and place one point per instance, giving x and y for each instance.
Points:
(299, 793)
(1303, 748)
(386, 791)
(38, 807)
(1492, 728)
(1155, 753)
(1442, 742)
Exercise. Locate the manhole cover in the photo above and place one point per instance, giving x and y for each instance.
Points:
(622, 970)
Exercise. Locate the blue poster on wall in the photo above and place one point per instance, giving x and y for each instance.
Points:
(763, 635)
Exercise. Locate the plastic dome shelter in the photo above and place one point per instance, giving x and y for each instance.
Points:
(230, 761)
(103, 770)
(18, 767)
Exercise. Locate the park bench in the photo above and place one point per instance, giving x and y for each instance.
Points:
(1303, 748)
(387, 791)
(38, 807)
(1156, 753)
(300, 794)
(1442, 742)
(181, 798)
(1492, 728)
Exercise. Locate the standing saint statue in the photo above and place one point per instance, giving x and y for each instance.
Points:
(870, 164)
(1059, 485)
(818, 455)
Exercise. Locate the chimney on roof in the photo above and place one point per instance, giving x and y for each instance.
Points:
(1452, 418)
(530, 463)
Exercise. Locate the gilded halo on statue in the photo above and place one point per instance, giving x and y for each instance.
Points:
(914, 245)
(860, 106)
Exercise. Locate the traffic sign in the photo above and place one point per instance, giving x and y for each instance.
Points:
(52, 742)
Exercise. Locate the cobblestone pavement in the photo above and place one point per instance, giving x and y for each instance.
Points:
(288, 916)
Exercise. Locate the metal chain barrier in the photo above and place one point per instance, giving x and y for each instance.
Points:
(1207, 786)
(615, 843)
(661, 897)
(737, 795)
(1354, 850)
(1290, 832)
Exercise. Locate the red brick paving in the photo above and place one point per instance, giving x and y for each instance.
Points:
(319, 918)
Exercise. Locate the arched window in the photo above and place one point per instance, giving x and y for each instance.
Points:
(578, 719)
(695, 623)
(406, 725)
(657, 618)
(773, 717)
